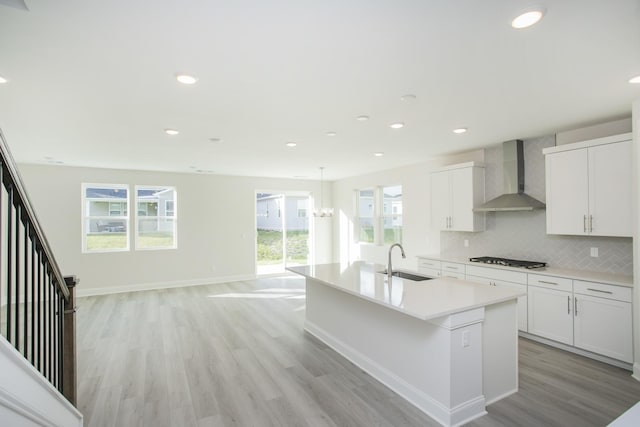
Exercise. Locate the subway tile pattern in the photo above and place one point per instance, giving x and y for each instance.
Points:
(522, 235)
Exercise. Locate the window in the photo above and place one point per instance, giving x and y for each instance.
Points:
(379, 215)
(392, 214)
(156, 219)
(302, 208)
(365, 228)
(105, 217)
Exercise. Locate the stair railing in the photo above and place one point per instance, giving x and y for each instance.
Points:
(37, 311)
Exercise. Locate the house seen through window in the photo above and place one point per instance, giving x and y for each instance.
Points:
(105, 212)
(156, 217)
(379, 215)
(106, 217)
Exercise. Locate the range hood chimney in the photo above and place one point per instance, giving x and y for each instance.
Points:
(514, 197)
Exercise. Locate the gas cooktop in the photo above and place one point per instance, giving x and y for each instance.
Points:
(508, 262)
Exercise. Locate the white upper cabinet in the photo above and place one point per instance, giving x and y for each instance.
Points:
(455, 191)
(589, 187)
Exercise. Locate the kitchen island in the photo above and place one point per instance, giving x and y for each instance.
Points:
(448, 346)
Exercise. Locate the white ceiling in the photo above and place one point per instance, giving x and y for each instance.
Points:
(91, 83)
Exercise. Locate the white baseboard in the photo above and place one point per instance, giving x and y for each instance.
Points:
(86, 292)
(571, 349)
(636, 371)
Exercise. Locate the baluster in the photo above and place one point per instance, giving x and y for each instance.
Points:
(9, 259)
(38, 321)
(16, 247)
(45, 324)
(33, 299)
(61, 343)
(25, 323)
(1, 257)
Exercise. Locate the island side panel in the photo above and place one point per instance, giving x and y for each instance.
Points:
(411, 356)
(500, 349)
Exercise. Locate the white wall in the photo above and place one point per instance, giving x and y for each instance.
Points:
(418, 236)
(216, 227)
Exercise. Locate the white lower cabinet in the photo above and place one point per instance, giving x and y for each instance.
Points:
(550, 314)
(429, 267)
(591, 316)
(436, 268)
(453, 269)
(602, 324)
(506, 279)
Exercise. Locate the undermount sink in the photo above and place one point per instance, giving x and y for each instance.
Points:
(409, 276)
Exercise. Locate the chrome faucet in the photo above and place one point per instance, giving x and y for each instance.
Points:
(389, 268)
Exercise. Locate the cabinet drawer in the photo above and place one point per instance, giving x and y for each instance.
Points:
(551, 282)
(453, 274)
(429, 263)
(452, 267)
(497, 274)
(602, 290)
(431, 272)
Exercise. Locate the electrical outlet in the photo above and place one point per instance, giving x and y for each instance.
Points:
(466, 243)
(594, 252)
(465, 338)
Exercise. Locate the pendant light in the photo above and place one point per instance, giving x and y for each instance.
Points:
(322, 212)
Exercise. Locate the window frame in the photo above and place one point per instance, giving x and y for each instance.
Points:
(86, 217)
(169, 219)
(391, 215)
(358, 217)
(378, 215)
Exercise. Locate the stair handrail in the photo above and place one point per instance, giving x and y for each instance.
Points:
(8, 163)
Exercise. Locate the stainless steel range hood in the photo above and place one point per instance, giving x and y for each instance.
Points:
(514, 197)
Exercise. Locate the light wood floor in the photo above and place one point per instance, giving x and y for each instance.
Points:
(236, 355)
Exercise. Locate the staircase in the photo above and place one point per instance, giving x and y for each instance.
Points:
(38, 385)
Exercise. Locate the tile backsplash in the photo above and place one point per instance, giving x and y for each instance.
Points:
(522, 235)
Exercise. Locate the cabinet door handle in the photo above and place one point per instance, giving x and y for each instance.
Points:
(584, 223)
(547, 283)
(568, 305)
(451, 268)
(590, 223)
(598, 290)
(575, 306)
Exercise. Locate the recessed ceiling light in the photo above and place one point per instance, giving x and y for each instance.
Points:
(215, 139)
(291, 144)
(362, 118)
(408, 97)
(634, 80)
(186, 79)
(171, 132)
(3, 80)
(527, 19)
(398, 125)
(331, 133)
(460, 130)
(378, 154)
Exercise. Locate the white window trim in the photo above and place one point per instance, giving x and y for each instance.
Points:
(378, 214)
(174, 218)
(84, 200)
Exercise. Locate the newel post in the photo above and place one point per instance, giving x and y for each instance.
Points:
(69, 368)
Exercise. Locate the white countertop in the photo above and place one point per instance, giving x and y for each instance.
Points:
(424, 300)
(589, 276)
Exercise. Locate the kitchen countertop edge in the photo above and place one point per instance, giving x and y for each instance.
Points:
(586, 275)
